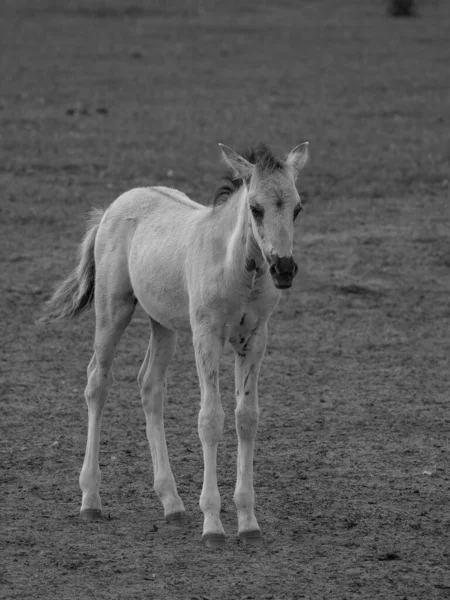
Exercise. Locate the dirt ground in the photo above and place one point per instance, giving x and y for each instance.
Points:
(352, 461)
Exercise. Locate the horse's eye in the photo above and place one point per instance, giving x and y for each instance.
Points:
(297, 210)
(257, 211)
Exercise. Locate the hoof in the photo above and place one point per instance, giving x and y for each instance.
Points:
(91, 514)
(251, 538)
(214, 540)
(176, 518)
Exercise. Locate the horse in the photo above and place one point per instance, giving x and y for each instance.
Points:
(216, 271)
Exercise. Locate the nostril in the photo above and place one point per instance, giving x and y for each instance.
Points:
(273, 269)
(295, 269)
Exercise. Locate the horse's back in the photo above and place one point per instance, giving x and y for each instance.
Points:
(139, 202)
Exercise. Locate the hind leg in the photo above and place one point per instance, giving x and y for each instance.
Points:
(152, 383)
(113, 314)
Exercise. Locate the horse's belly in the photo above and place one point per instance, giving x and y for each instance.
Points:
(167, 313)
(162, 295)
(158, 285)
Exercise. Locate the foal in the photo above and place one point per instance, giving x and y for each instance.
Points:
(215, 271)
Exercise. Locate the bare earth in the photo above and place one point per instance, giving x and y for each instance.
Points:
(352, 464)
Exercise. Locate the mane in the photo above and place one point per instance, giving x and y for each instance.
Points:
(259, 155)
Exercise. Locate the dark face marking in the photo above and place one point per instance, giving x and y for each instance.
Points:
(283, 270)
(257, 212)
(250, 265)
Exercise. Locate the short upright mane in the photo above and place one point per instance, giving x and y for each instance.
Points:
(259, 155)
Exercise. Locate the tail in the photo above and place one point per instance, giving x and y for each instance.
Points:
(76, 293)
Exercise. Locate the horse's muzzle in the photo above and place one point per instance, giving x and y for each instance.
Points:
(283, 270)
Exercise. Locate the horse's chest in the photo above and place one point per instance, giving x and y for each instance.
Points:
(261, 300)
(253, 314)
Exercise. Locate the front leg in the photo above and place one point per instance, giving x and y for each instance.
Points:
(208, 348)
(249, 354)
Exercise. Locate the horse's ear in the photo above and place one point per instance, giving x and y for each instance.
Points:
(238, 164)
(298, 157)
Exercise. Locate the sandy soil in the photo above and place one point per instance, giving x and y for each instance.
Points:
(352, 475)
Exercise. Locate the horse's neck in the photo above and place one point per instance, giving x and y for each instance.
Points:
(243, 253)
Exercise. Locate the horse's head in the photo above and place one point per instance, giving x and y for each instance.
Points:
(273, 204)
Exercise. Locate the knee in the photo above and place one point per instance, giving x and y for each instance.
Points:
(152, 395)
(210, 424)
(247, 418)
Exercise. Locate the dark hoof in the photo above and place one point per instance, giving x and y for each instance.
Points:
(91, 514)
(214, 540)
(252, 538)
(176, 518)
